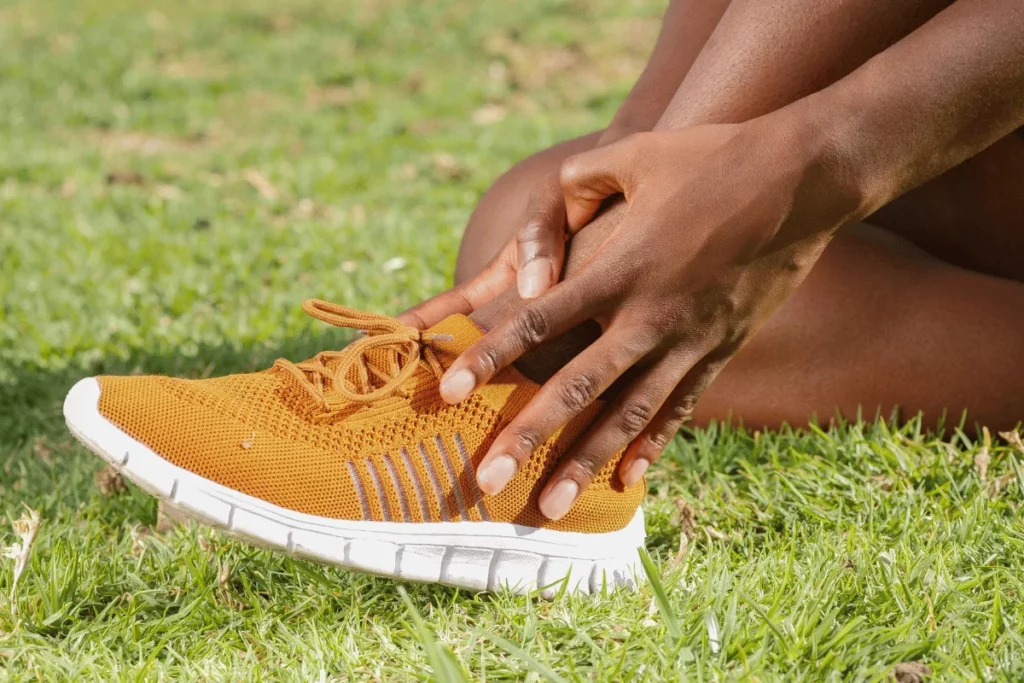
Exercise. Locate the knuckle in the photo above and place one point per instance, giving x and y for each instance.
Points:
(641, 143)
(506, 258)
(551, 185)
(585, 467)
(527, 440)
(634, 416)
(682, 408)
(535, 231)
(532, 325)
(660, 438)
(655, 331)
(570, 171)
(578, 391)
(489, 360)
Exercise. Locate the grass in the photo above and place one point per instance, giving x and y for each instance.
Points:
(174, 180)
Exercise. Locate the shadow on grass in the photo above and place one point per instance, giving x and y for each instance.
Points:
(41, 465)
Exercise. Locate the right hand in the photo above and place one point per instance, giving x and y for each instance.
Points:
(722, 224)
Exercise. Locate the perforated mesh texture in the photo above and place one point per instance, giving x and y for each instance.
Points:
(262, 435)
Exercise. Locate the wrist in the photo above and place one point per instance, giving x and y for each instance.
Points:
(834, 183)
(828, 134)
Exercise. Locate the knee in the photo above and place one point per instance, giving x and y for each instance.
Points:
(498, 213)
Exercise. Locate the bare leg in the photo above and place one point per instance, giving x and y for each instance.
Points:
(970, 216)
(877, 324)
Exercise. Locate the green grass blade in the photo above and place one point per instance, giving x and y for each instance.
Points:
(660, 596)
(531, 662)
(442, 661)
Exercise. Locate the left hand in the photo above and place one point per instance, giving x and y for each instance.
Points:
(723, 222)
(539, 243)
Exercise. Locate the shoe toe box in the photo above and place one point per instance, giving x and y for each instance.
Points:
(231, 437)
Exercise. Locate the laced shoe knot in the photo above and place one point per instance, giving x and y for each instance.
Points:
(336, 379)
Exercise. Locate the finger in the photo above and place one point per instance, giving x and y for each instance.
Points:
(591, 177)
(620, 422)
(462, 299)
(537, 321)
(677, 409)
(541, 240)
(568, 393)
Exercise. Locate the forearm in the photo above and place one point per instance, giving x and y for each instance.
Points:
(942, 94)
(685, 29)
(761, 56)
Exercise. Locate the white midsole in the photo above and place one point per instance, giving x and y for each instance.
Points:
(336, 540)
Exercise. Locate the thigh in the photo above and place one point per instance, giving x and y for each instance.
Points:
(878, 325)
(497, 215)
(971, 216)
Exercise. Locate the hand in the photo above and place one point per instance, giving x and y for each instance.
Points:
(540, 245)
(503, 270)
(723, 222)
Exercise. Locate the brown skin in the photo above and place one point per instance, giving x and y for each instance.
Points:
(760, 202)
(878, 324)
(715, 61)
(686, 27)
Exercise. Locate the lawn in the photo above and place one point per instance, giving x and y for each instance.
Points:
(176, 178)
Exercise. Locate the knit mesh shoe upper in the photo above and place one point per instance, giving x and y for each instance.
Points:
(362, 433)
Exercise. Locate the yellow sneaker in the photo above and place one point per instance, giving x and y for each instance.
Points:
(353, 459)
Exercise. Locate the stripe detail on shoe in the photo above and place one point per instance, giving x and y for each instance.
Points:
(375, 478)
(478, 496)
(450, 469)
(417, 485)
(438, 493)
(402, 499)
(364, 503)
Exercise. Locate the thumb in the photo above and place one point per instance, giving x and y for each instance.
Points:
(591, 177)
(541, 239)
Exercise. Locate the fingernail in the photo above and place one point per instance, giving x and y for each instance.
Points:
(556, 503)
(532, 279)
(493, 476)
(635, 470)
(457, 385)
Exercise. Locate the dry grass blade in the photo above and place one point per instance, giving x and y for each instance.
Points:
(982, 460)
(110, 482)
(262, 185)
(26, 528)
(910, 672)
(687, 523)
(1014, 439)
(684, 545)
(168, 517)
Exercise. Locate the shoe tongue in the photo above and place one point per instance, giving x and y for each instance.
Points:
(463, 331)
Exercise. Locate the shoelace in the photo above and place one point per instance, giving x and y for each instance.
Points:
(408, 346)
